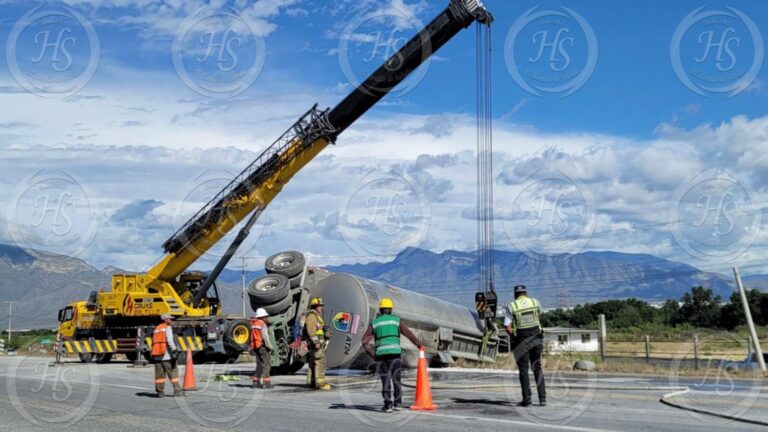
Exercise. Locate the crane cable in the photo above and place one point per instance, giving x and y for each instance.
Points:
(484, 161)
(485, 254)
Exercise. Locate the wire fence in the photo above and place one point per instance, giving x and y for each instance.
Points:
(693, 348)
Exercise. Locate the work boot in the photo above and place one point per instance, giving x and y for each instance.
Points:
(543, 402)
(387, 408)
(257, 385)
(324, 387)
(267, 385)
(397, 407)
(178, 393)
(160, 395)
(524, 404)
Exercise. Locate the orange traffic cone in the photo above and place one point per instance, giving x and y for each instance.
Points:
(423, 391)
(189, 374)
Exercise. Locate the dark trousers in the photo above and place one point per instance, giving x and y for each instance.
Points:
(528, 348)
(390, 372)
(163, 369)
(263, 364)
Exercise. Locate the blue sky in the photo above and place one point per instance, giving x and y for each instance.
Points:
(627, 150)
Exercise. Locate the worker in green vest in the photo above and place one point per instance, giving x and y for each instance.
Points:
(523, 324)
(385, 332)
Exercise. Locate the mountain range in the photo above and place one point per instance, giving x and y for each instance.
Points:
(40, 283)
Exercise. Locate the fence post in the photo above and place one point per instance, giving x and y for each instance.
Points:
(603, 335)
(647, 347)
(695, 351)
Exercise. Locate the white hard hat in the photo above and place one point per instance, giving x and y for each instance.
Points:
(166, 316)
(261, 313)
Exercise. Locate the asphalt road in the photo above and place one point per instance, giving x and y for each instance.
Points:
(38, 396)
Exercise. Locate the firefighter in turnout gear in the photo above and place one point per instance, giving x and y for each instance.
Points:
(522, 322)
(164, 353)
(317, 335)
(261, 347)
(385, 332)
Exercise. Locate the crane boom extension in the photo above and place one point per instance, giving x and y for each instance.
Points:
(254, 188)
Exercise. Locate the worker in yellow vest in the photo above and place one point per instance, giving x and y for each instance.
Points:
(523, 324)
(165, 354)
(317, 336)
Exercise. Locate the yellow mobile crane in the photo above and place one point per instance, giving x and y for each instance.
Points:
(118, 320)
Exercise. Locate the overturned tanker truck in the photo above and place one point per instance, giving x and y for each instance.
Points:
(448, 331)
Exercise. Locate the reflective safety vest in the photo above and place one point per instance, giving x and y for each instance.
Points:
(159, 341)
(320, 332)
(386, 330)
(256, 338)
(525, 313)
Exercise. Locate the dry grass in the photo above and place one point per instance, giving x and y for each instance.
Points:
(730, 350)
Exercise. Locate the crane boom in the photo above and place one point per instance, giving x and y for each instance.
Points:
(120, 317)
(258, 184)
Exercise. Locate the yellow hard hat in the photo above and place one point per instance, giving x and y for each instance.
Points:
(386, 303)
(317, 301)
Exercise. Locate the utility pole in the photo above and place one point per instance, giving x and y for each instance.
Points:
(10, 318)
(750, 323)
(243, 267)
(243, 294)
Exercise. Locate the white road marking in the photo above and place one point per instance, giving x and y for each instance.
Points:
(517, 422)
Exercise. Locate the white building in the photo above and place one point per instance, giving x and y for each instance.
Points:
(562, 339)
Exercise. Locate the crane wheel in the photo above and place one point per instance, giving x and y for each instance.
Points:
(237, 335)
(289, 263)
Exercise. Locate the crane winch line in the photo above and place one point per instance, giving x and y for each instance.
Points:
(485, 299)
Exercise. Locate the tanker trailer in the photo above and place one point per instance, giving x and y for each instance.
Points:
(448, 331)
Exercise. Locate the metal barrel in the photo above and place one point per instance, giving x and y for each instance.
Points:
(447, 330)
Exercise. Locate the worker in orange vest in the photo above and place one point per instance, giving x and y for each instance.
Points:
(164, 353)
(261, 347)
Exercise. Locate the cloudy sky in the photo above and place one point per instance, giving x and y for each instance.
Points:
(616, 127)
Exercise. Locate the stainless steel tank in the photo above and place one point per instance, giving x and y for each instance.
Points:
(447, 330)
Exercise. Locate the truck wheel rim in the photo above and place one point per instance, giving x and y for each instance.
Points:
(240, 335)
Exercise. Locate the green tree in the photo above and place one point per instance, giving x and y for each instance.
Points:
(701, 308)
(667, 313)
(628, 316)
(732, 314)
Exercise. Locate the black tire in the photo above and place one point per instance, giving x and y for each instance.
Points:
(233, 336)
(275, 308)
(94, 357)
(269, 289)
(296, 280)
(289, 263)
